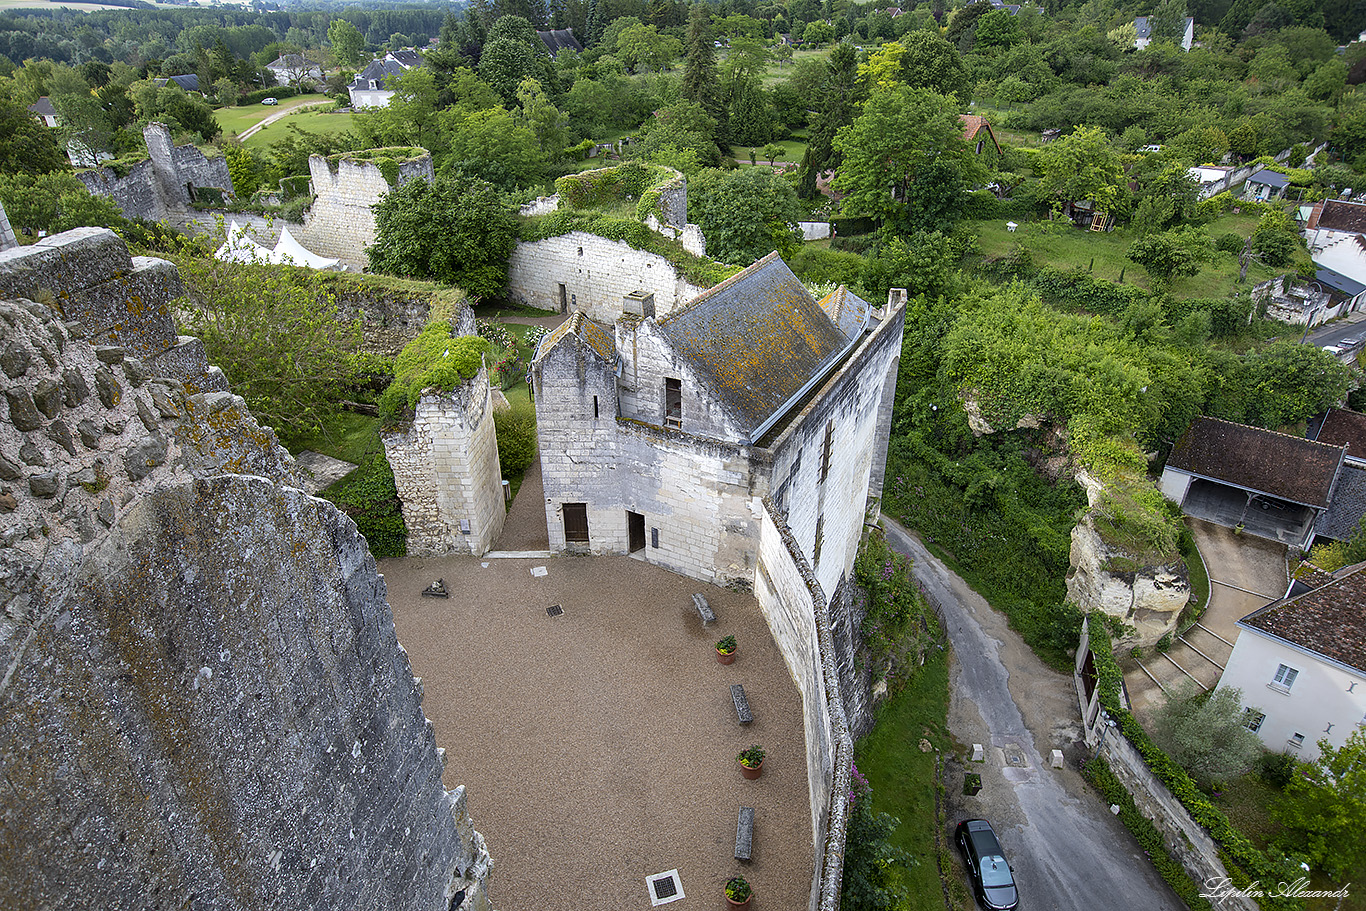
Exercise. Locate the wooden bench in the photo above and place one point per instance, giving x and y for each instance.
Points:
(744, 833)
(737, 695)
(704, 609)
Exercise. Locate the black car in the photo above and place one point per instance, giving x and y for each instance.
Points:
(987, 866)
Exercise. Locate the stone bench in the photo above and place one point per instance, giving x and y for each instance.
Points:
(744, 833)
(704, 609)
(737, 695)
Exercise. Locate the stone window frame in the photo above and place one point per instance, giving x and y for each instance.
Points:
(673, 396)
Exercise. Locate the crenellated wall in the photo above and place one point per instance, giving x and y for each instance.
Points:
(203, 703)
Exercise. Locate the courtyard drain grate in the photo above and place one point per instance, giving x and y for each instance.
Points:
(554, 610)
(664, 888)
(1014, 756)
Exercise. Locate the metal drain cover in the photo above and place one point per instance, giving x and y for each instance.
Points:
(1014, 756)
(554, 610)
(664, 888)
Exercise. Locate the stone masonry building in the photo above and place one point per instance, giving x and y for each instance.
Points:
(203, 702)
(660, 436)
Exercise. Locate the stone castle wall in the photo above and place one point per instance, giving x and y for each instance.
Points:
(341, 222)
(581, 271)
(203, 702)
(158, 188)
(447, 471)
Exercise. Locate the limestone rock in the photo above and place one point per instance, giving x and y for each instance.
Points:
(1147, 598)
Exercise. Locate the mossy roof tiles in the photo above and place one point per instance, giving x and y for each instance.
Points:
(1344, 428)
(754, 338)
(587, 331)
(1291, 468)
(1330, 620)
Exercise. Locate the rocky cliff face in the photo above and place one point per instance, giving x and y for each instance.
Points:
(1147, 598)
(203, 703)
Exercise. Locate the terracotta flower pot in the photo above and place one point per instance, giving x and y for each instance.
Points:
(724, 657)
(735, 904)
(752, 773)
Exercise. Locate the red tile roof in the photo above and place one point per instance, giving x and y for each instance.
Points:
(1330, 620)
(1291, 468)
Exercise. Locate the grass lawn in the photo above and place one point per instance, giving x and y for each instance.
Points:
(236, 119)
(1104, 254)
(309, 120)
(903, 778)
(775, 73)
(794, 149)
(349, 437)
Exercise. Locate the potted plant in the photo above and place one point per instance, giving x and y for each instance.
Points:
(972, 784)
(751, 761)
(725, 650)
(738, 892)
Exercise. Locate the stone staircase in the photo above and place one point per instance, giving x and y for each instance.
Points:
(1197, 657)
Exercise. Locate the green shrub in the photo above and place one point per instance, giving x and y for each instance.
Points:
(516, 438)
(1276, 769)
(255, 97)
(371, 500)
(1230, 243)
(433, 360)
(817, 266)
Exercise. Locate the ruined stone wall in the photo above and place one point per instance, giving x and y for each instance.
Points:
(341, 223)
(595, 274)
(203, 703)
(822, 491)
(447, 472)
(158, 188)
(797, 615)
(860, 692)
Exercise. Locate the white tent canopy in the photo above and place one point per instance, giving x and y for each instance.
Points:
(288, 252)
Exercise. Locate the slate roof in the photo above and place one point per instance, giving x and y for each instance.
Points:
(560, 39)
(189, 82)
(44, 107)
(406, 59)
(1290, 468)
(379, 70)
(1336, 280)
(1339, 215)
(755, 339)
(587, 331)
(846, 310)
(1342, 427)
(1349, 505)
(1270, 178)
(1330, 620)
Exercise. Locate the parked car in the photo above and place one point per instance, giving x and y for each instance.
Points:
(270, 101)
(991, 877)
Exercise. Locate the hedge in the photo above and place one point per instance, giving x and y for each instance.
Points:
(1243, 860)
(1076, 289)
(256, 96)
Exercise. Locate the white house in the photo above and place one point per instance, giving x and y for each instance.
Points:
(1143, 25)
(1336, 236)
(43, 110)
(294, 69)
(1300, 663)
(370, 88)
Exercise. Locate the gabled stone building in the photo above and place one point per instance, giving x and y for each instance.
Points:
(662, 437)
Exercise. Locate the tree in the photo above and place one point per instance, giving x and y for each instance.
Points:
(504, 64)
(82, 122)
(925, 262)
(699, 68)
(745, 213)
(455, 230)
(275, 332)
(347, 41)
(904, 160)
(1083, 165)
(544, 118)
(26, 146)
(680, 126)
(1173, 254)
(1324, 808)
(930, 62)
(839, 95)
(492, 145)
(55, 202)
(818, 33)
(1205, 734)
(1287, 382)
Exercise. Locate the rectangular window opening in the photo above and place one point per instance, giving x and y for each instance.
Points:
(1252, 720)
(825, 450)
(575, 522)
(1296, 741)
(1284, 679)
(673, 402)
(595, 407)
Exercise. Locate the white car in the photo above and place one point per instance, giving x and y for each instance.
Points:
(270, 101)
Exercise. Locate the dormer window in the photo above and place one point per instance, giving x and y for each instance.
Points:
(374, 84)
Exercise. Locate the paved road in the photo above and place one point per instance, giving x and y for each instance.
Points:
(1349, 326)
(284, 111)
(1069, 853)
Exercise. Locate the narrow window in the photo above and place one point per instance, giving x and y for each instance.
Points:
(1296, 741)
(1284, 679)
(825, 450)
(595, 407)
(673, 403)
(981, 143)
(576, 522)
(820, 539)
(1252, 720)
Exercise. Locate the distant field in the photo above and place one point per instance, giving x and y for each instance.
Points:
(6, 5)
(309, 121)
(794, 149)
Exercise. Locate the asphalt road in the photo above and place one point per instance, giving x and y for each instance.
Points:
(1352, 325)
(1069, 853)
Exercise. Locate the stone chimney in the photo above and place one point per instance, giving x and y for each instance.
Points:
(639, 303)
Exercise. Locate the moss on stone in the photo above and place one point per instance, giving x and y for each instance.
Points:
(433, 360)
